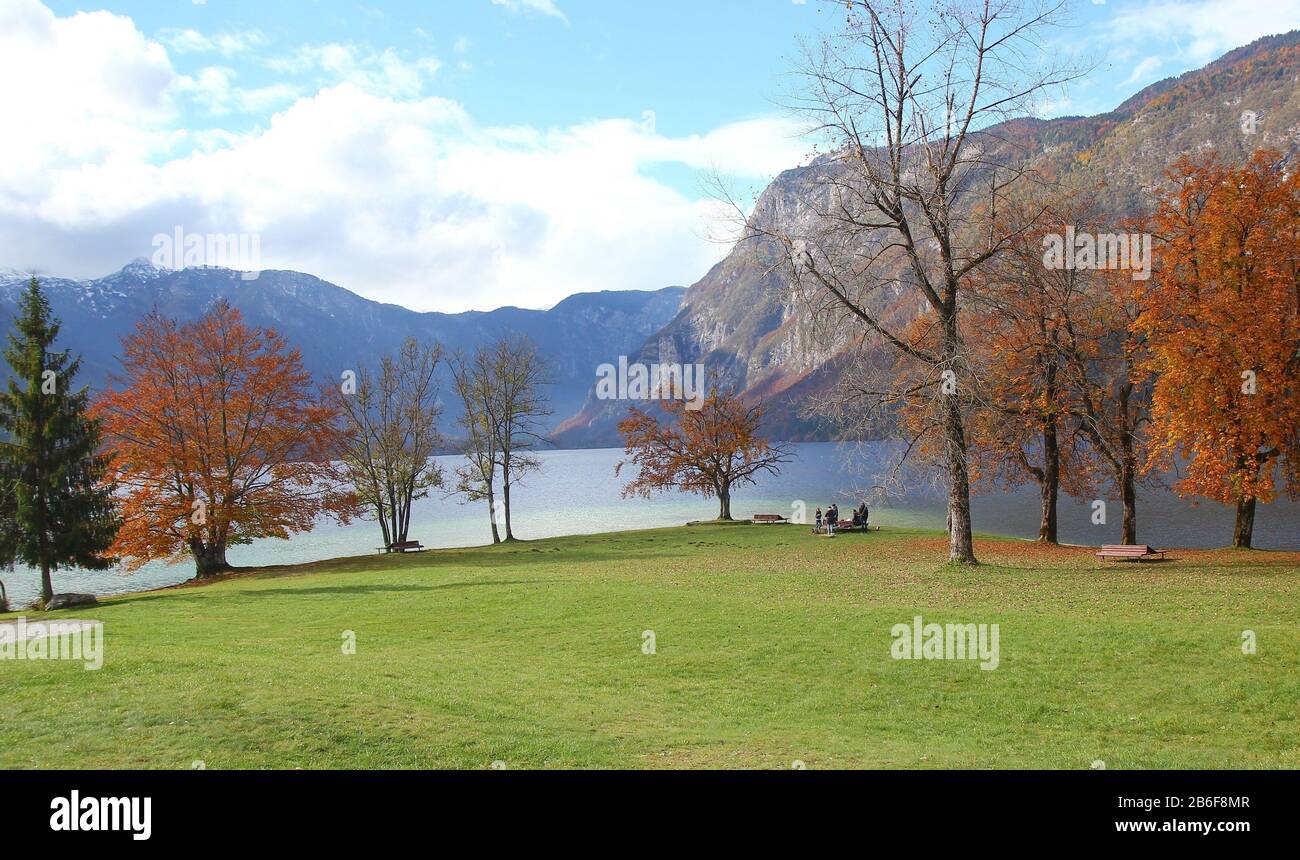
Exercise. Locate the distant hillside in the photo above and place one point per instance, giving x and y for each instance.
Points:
(740, 319)
(337, 329)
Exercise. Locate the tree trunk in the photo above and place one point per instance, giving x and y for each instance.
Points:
(394, 526)
(1243, 532)
(383, 524)
(961, 548)
(505, 501)
(492, 514)
(1050, 487)
(1128, 469)
(47, 585)
(724, 503)
(209, 559)
(1048, 492)
(1128, 491)
(404, 512)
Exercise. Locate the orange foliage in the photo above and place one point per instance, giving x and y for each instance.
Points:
(1223, 318)
(215, 439)
(1020, 332)
(709, 450)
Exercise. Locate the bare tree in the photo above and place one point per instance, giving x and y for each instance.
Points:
(520, 405)
(501, 385)
(390, 435)
(896, 220)
(476, 479)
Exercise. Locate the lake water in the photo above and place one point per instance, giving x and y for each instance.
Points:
(576, 493)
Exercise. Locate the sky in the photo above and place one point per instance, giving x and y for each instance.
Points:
(451, 154)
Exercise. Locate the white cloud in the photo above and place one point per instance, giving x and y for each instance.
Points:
(383, 72)
(401, 197)
(1204, 29)
(85, 89)
(213, 89)
(1143, 72)
(189, 41)
(544, 7)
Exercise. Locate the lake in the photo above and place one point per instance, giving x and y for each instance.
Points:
(576, 493)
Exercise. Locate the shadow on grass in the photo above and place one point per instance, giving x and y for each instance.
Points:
(176, 596)
(383, 589)
(581, 551)
(488, 557)
(360, 588)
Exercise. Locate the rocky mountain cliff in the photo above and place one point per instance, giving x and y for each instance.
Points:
(740, 319)
(337, 329)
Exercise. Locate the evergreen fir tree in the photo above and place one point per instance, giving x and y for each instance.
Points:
(55, 508)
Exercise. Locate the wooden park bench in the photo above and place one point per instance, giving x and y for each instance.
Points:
(768, 518)
(1130, 552)
(402, 546)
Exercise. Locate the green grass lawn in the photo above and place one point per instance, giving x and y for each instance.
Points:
(772, 646)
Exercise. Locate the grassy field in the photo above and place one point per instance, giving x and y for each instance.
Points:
(772, 646)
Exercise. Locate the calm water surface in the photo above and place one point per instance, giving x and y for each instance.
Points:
(576, 493)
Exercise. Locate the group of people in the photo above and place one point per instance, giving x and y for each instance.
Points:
(831, 520)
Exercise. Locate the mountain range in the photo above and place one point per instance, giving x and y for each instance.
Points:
(338, 330)
(740, 320)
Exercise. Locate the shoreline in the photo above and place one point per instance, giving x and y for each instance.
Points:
(387, 561)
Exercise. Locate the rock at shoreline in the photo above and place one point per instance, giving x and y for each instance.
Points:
(67, 601)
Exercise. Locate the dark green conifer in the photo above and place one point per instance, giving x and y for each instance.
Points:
(55, 509)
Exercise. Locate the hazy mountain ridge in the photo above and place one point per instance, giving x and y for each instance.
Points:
(337, 329)
(741, 319)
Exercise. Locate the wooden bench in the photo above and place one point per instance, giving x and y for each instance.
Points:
(1130, 552)
(768, 518)
(402, 546)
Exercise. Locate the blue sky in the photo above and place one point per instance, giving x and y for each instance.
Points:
(696, 64)
(452, 154)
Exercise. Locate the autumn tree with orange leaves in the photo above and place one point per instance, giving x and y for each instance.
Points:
(1223, 322)
(215, 438)
(1109, 382)
(709, 450)
(1022, 428)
